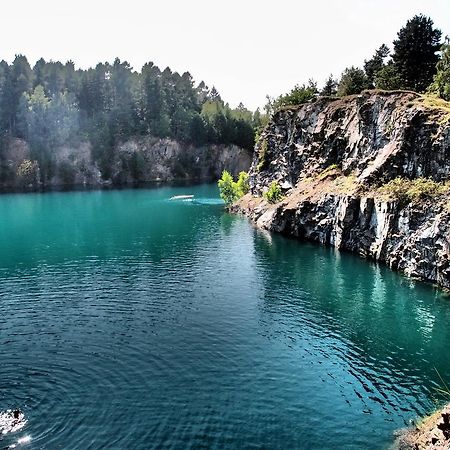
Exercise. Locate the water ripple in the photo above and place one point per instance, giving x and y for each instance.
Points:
(141, 323)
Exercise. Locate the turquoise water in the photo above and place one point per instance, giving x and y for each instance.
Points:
(130, 321)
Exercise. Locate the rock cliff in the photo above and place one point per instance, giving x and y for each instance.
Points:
(335, 160)
(143, 159)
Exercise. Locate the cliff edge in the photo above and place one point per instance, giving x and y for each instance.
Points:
(367, 173)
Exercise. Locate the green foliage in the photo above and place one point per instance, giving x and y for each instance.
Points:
(330, 87)
(274, 193)
(388, 78)
(53, 105)
(297, 96)
(415, 51)
(66, 172)
(231, 191)
(441, 81)
(439, 106)
(229, 126)
(411, 191)
(353, 81)
(375, 64)
(242, 184)
(330, 170)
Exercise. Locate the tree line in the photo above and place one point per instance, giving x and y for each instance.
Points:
(418, 61)
(53, 104)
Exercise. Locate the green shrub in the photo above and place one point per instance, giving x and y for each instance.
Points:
(231, 191)
(242, 185)
(274, 194)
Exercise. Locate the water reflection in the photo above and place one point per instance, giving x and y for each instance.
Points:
(391, 331)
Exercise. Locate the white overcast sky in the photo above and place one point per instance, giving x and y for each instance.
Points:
(246, 48)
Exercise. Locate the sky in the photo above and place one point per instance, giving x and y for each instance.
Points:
(247, 49)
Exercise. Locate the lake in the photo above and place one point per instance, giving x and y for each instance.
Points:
(131, 321)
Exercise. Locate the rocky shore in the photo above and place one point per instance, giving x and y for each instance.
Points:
(366, 173)
(432, 433)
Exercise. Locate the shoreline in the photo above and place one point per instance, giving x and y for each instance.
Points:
(432, 432)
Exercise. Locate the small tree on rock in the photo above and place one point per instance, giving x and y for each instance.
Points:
(353, 81)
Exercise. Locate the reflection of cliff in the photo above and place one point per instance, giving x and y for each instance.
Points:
(332, 159)
(389, 332)
(136, 160)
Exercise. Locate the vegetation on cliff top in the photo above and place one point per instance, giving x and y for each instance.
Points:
(414, 65)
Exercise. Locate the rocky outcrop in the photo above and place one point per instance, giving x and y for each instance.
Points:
(432, 433)
(330, 158)
(139, 160)
(150, 159)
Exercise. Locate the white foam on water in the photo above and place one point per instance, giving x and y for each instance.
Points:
(24, 440)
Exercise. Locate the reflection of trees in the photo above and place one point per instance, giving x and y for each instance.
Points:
(395, 324)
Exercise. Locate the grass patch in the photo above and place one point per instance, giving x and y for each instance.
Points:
(437, 105)
(412, 191)
(348, 184)
(332, 170)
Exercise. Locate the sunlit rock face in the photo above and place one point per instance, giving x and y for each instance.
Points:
(376, 136)
(331, 156)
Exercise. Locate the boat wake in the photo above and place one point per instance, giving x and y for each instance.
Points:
(182, 197)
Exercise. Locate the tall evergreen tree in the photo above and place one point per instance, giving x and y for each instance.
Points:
(415, 51)
(330, 87)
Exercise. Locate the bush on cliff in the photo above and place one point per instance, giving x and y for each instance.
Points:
(353, 81)
(297, 96)
(230, 190)
(274, 194)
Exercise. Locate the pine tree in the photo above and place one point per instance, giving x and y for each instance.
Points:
(330, 87)
(375, 64)
(353, 81)
(415, 55)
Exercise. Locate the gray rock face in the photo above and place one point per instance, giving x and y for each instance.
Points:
(142, 159)
(354, 135)
(166, 160)
(375, 135)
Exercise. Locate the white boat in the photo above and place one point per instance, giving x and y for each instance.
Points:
(182, 197)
